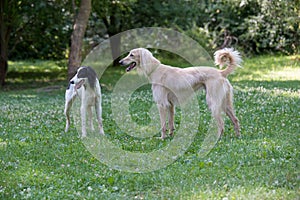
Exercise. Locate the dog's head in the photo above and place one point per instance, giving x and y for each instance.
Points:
(142, 59)
(85, 76)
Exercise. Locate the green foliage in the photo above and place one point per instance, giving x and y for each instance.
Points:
(43, 30)
(274, 28)
(257, 25)
(39, 161)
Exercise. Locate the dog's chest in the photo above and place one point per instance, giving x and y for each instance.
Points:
(88, 97)
(163, 96)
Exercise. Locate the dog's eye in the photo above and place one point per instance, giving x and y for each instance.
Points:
(131, 55)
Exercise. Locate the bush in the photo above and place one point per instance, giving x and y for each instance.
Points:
(275, 28)
(257, 26)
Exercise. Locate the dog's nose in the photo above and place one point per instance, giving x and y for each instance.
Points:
(71, 82)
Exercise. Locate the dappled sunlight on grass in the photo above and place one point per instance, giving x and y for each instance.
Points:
(36, 66)
(284, 74)
(266, 68)
(34, 74)
(275, 92)
(239, 192)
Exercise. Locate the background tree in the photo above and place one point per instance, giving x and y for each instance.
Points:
(79, 28)
(116, 17)
(33, 30)
(9, 19)
(43, 30)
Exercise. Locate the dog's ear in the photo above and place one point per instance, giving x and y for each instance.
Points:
(145, 57)
(91, 75)
(147, 61)
(82, 73)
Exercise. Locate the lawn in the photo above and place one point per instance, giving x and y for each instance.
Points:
(40, 161)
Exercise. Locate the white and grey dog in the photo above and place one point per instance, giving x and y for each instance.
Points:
(84, 84)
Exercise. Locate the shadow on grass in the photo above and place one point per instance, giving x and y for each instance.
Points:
(32, 80)
(31, 74)
(278, 84)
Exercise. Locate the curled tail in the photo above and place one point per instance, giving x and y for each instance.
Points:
(229, 57)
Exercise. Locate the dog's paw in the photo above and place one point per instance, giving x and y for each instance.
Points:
(67, 127)
(101, 131)
(83, 134)
(162, 137)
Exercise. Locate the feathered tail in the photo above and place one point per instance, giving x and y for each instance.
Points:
(229, 57)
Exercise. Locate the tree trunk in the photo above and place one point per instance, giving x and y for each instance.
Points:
(4, 37)
(3, 71)
(3, 57)
(115, 43)
(113, 26)
(79, 28)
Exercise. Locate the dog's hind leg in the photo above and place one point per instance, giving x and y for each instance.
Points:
(215, 106)
(163, 118)
(99, 115)
(83, 120)
(229, 110)
(230, 113)
(220, 123)
(234, 120)
(217, 115)
(171, 119)
(67, 114)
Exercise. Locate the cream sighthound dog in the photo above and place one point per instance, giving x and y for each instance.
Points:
(85, 85)
(170, 83)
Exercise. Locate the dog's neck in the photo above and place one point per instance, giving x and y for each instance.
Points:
(88, 87)
(147, 71)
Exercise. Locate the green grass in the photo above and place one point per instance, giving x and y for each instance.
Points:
(40, 161)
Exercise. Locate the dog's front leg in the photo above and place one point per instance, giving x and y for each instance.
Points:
(163, 115)
(83, 119)
(67, 114)
(90, 118)
(99, 115)
(69, 96)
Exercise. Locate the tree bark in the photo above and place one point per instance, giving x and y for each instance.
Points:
(80, 24)
(4, 37)
(115, 43)
(114, 26)
(3, 71)
(3, 57)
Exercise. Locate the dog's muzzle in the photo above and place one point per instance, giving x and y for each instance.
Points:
(79, 84)
(70, 83)
(130, 67)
